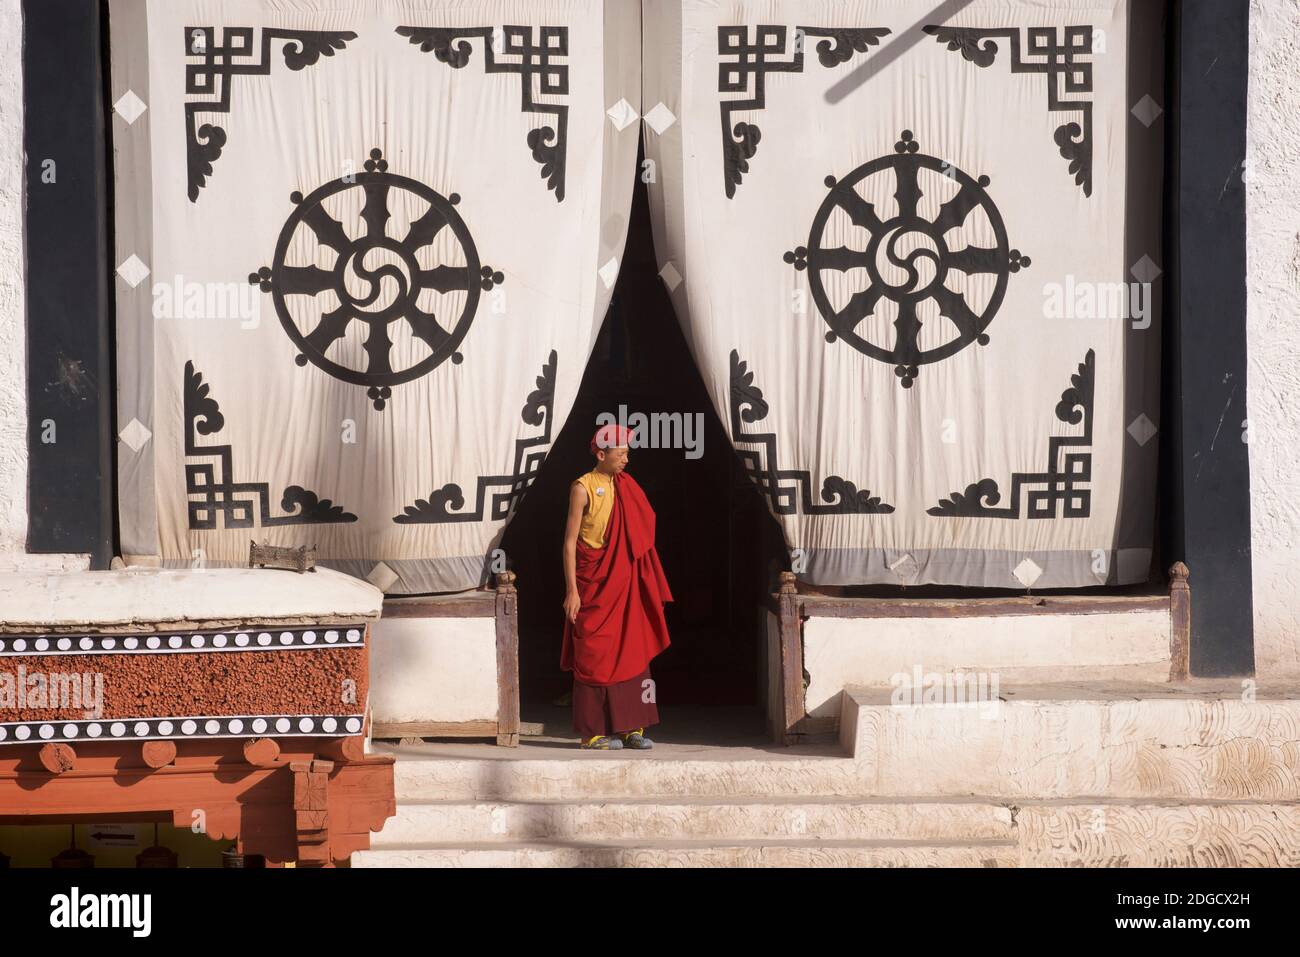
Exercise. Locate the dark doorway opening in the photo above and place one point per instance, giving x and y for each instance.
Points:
(721, 549)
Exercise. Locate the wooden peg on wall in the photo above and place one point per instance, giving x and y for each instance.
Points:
(158, 754)
(57, 758)
(261, 752)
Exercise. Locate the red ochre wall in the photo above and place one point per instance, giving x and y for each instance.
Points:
(210, 684)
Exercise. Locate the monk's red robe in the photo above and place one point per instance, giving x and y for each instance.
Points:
(622, 587)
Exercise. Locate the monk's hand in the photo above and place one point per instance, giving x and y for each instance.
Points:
(571, 605)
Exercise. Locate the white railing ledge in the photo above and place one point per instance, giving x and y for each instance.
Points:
(111, 600)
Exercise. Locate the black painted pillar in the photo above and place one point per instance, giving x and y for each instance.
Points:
(69, 379)
(1211, 503)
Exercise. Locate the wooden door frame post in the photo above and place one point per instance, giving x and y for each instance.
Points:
(791, 638)
(507, 629)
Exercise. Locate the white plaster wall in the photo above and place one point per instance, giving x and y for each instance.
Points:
(433, 669)
(37, 600)
(13, 334)
(847, 652)
(1273, 332)
(13, 364)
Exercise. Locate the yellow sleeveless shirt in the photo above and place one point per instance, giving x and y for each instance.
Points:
(600, 503)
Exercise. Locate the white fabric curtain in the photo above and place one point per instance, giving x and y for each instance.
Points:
(913, 250)
(364, 249)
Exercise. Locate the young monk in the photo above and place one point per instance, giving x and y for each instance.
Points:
(614, 601)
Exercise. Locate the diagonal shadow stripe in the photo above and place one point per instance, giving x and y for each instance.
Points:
(891, 51)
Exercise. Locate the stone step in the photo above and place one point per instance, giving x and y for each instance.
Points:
(1040, 743)
(630, 777)
(1192, 743)
(800, 853)
(1090, 775)
(451, 822)
(1099, 834)
(1118, 834)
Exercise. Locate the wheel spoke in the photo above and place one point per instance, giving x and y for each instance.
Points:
(839, 258)
(377, 347)
(332, 327)
(858, 209)
(376, 212)
(860, 305)
(328, 230)
(953, 308)
(304, 280)
(908, 192)
(424, 229)
(426, 327)
(908, 329)
(976, 259)
(954, 212)
(445, 278)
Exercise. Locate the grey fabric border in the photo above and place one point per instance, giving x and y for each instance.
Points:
(133, 235)
(977, 568)
(661, 31)
(1143, 218)
(417, 576)
(621, 31)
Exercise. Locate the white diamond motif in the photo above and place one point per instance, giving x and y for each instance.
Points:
(1027, 572)
(621, 115)
(1147, 110)
(135, 435)
(133, 271)
(1144, 270)
(1142, 429)
(129, 107)
(609, 273)
(660, 118)
(381, 576)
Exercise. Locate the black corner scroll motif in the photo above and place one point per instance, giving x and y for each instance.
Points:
(225, 497)
(538, 50)
(741, 59)
(234, 56)
(443, 504)
(786, 489)
(1053, 54)
(1061, 483)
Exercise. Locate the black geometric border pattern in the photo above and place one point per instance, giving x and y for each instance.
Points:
(529, 454)
(219, 495)
(753, 59)
(548, 146)
(211, 78)
(245, 638)
(1065, 76)
(198, 726)
(786, 489)
(1061, 485)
